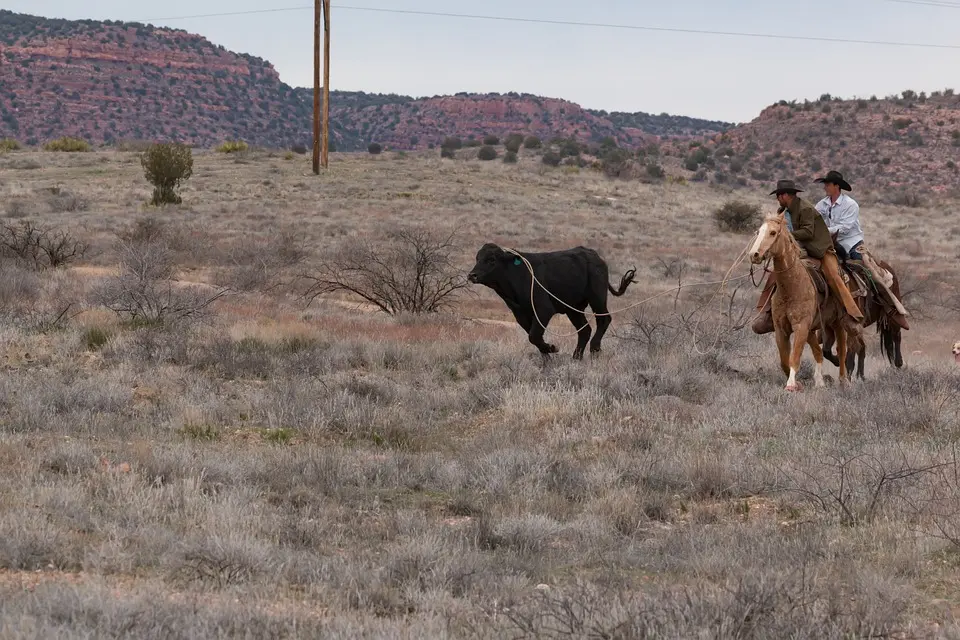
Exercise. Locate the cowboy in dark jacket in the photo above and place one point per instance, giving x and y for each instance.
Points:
(810, 231)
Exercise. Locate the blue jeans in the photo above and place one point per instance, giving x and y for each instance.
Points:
(853, 254)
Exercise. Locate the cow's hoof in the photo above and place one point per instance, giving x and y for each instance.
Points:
(552, 348)
(578, 355)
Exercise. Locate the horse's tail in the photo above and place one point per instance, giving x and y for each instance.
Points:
(624, 282)
(888, 332)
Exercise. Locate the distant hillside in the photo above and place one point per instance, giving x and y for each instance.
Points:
(406, 123)
(909, 141)
(105, 81)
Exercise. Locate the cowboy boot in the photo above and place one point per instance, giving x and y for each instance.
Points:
(899, 319)
(763, 323)
(831, 271)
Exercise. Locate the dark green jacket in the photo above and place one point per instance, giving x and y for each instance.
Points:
(809, 229)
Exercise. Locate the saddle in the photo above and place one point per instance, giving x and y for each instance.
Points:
(814, 267)
(873, 279)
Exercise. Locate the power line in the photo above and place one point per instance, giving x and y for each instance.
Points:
(575, 23)
(928, 3)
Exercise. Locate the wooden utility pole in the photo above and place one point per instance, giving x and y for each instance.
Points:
(326, 81)
(317, 10)
(321, 138)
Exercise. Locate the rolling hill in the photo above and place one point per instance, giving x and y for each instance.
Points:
(105, 81)
(909, 143)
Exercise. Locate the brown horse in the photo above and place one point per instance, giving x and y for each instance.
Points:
(799, 309)
(874, 311)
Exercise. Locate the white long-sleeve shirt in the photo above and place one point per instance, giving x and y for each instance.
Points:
(843, 218)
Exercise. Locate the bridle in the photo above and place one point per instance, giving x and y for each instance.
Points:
(767, 264)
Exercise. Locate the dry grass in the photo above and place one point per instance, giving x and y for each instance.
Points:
(273, 470)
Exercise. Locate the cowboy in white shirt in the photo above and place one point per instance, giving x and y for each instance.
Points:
(842, 215)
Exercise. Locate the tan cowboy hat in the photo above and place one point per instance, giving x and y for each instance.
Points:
(834, 177)
(786, 186)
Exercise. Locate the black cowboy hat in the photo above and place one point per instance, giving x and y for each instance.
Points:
(834, 177)
(786, 186)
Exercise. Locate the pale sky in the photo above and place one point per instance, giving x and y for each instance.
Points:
(709, 76)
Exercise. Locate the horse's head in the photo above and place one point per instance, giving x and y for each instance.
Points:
(767, 236)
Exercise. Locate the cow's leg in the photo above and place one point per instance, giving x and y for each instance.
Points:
(598, 304)
(579, 322)
(537, 330)
(603, 323)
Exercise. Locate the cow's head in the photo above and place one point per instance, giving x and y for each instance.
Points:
(491, 261)
(956, 352)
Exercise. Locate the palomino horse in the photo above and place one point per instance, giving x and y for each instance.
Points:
(798, 308)
(874, 311)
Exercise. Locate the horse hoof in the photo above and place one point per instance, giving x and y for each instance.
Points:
(794, 388)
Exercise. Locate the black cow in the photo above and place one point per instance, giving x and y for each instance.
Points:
(577, 276)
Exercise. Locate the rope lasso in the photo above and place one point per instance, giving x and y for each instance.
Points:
(535, 281)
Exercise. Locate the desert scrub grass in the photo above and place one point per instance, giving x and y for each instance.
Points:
(233, 146)
(9, 144)
(166, 166)
(94, 338)
(68, 145)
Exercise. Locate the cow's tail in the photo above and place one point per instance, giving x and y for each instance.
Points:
(624, 282)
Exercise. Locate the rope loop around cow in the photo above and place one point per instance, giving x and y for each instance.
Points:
(535, 281)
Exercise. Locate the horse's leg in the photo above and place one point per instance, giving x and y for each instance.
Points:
(796, 353)
(842, 353)
(783, 347)
(814, 341)
(828, 341)
(861, 356)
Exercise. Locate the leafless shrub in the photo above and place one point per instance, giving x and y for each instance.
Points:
(412, 271)
(260, 264)
(146, 291)
(856, 488)
(220, 563)
(759, 606)
(40, 247)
